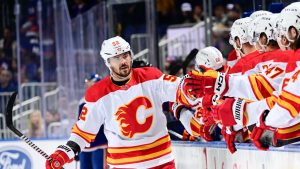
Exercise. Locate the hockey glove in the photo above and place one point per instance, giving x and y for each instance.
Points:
(263, 136)
(205, 115)
(210, 82)
(205, 132)
(210, 100)
(230, 112)
(192, 85)
(232, 136)
(63, 154)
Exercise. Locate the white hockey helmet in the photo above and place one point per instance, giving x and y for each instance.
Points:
(265, 24)
(209, 57)
(239, 29)
(251, 31)
(289, 17)
(113, 47)
(256, 14)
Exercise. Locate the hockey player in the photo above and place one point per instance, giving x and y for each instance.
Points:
(193, 115)
(233, 57)
(288, 39)
(270, 63)
(283, 118)
(128, 103)
(93, 157)
(242, 42)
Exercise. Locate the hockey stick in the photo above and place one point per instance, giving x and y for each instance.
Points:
(175, 134)
(9, 124)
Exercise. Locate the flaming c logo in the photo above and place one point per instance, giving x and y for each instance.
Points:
(127, 117)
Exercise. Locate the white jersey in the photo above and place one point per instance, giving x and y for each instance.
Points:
(287, 106)
(262, 80)
(134, 123)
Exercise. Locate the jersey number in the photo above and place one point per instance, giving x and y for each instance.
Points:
(170, 78)
(273, 72)
(83, 113)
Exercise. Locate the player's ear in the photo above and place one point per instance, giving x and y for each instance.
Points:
(284, 41)
(238, 42)
(293, 33)
(263, 39)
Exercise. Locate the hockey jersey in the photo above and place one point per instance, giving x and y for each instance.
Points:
(239, 67)
(232, 59)
(134, 123)
(286, 110)
(269, 75)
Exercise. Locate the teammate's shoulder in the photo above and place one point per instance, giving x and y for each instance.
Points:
(232, 56)
(292, 64)
(147, 73)
(98, 90)
(281, 56)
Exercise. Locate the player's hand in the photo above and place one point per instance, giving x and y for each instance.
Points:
(210, 100)
(205, 115)
(205, 132)
(193, 85)
(63, 154)
(262, 135)
(209, 82)
(232, 136)
(232, 111)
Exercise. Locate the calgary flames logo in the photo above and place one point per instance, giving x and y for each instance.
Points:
(127, 117)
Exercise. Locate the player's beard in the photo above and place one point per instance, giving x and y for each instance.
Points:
(123, 71)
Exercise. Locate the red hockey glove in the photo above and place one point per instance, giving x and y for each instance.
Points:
(263, 136)
(193, 85)
(232, 136)
(63, 154)
(206, 116)
(210, 82)
(230, 112)
(205, 132)
(210, 100)
(215, 82)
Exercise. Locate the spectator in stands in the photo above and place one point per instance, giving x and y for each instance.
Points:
(219, 15)
(165, 10)
(51, 116)
(198, 13)
(4, 61)
(53, 124)
(6, 82)
(7, 44)
(36, 125)
(30, 67)
(234, 12)
(186, 12)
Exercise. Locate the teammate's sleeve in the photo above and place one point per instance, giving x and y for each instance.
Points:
(85, 130)
(190, 123)
(252, 87)
(287, 106)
